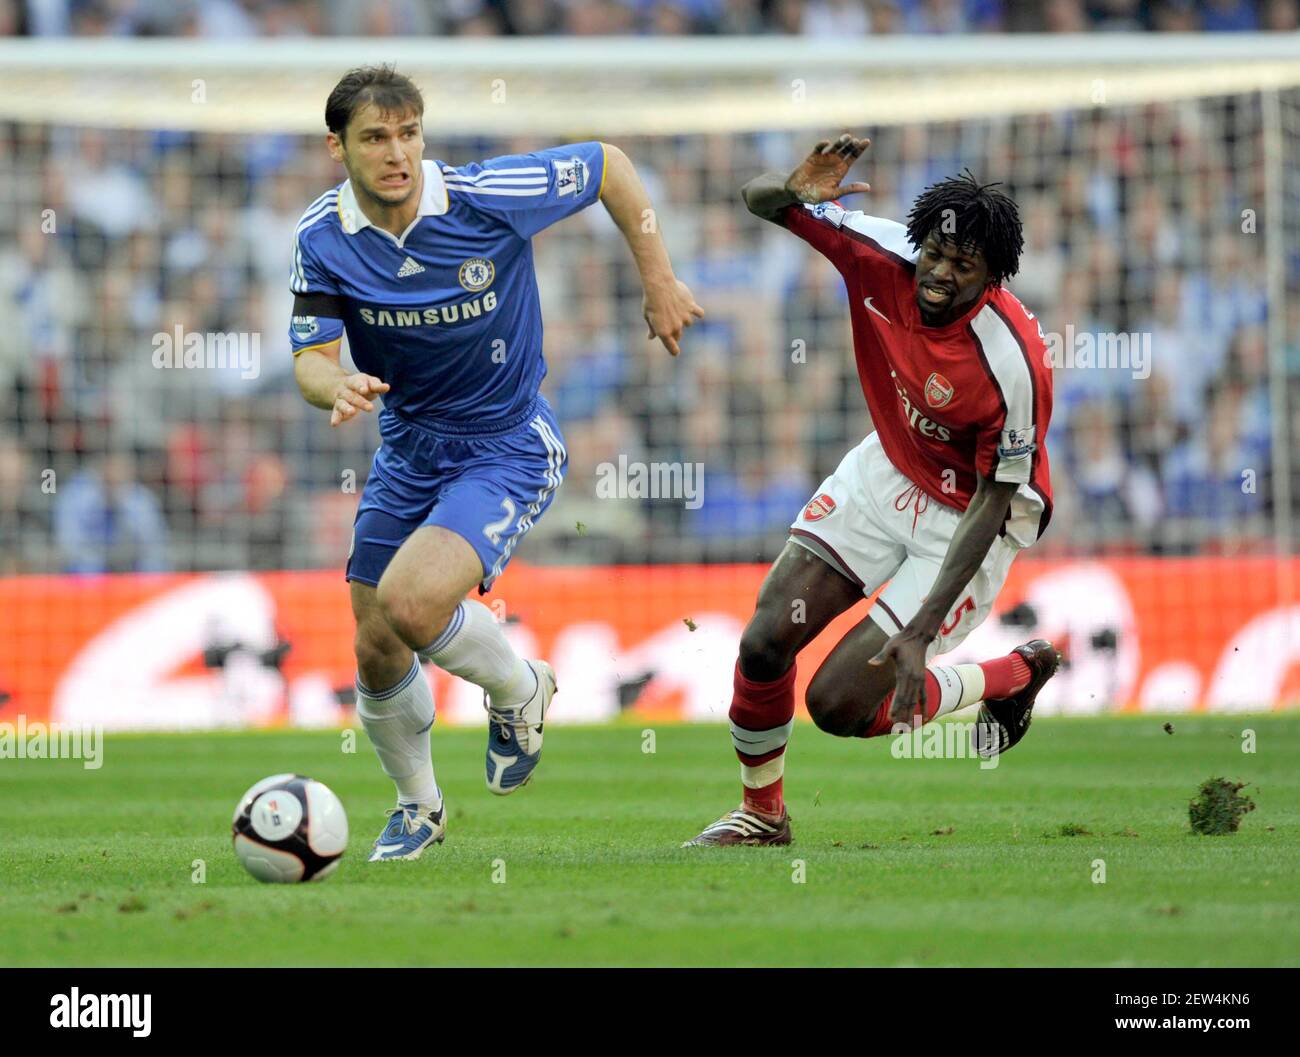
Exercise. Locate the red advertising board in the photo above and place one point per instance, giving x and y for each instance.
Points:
(176, 652)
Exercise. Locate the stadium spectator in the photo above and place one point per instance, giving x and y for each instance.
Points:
(106, 521)
(835, 19)
(1154, 431)
(1281, 16)
(848, 19)
(1222, 297)
(1116, 16)
(266, 512)
(1120, 495)
(1229, 16)
(1174, 16)
(1215, 479)
(747, 505)
(24, 513)
(1181, 358)
(1064, 16)
(39, 292)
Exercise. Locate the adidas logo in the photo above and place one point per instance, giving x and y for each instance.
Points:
(409, 267)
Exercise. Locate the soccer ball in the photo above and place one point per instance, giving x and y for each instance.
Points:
(289, 828)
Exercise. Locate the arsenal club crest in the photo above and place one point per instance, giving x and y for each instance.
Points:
(938, 390)
(818, 508)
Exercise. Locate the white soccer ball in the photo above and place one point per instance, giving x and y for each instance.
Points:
(289, 828)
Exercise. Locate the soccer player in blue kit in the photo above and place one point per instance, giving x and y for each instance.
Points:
(429, 269)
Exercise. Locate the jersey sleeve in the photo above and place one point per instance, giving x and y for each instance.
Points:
(317, 314)
(529, 192)
(1013, 352)
(1004, 449)
(844, 236)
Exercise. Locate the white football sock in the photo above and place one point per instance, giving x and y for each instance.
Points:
(398, 721)
(764, 774)
(473, 646)
(960, 685)
(759, 743)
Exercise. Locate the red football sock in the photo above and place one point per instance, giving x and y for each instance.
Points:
(769, 800)
(1005, 676)
(761, 706)
(882, 724)
(756, 708)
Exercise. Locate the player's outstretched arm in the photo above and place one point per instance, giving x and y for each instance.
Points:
(325, 384)
(818, 178)
(975, 533)
(669, 307)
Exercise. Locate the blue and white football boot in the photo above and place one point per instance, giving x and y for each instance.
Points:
(515, 735)
(410, 830)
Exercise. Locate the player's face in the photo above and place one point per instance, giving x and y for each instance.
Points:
(948, 280)
(382, 152)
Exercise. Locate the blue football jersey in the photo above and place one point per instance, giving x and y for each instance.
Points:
(448, 314)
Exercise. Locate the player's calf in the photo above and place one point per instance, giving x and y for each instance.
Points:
(394, 702)
(761, 717)
(850, 710)
(762, 706)
(799, 597)
(382, 658)
(849, 697)
(764, 656)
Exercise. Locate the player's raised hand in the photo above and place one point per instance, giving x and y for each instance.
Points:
(669, 309)
(819, 177)
(907, 651)
(353, 396)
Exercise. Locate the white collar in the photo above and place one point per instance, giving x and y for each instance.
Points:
(433, 201)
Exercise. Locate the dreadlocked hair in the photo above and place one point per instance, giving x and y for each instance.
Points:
(964, 212)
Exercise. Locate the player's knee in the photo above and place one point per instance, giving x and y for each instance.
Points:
(763, 656)
(406, 614)
(381, 658)
(832, 709)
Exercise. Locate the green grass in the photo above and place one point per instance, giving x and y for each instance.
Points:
(95, 866)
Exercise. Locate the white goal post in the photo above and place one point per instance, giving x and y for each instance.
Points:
(621, 86)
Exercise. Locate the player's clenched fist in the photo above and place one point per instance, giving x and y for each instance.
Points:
(669, 309)
(817, 179)
(353, 395)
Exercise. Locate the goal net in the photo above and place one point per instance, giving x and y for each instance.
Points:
(172, 532)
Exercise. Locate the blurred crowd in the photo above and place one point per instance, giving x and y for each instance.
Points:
(827, 18)
(1139, 222)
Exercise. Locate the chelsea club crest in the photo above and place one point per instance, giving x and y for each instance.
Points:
(477, 274)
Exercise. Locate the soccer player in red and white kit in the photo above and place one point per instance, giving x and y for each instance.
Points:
(936, 502)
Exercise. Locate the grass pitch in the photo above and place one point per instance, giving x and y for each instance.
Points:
(895, 861)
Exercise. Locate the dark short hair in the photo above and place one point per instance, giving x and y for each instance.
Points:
(391, 92)
(983, 218)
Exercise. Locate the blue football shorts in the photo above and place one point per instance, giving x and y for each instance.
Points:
(488, 484)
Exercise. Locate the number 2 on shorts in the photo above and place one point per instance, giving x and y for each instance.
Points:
(493, 529)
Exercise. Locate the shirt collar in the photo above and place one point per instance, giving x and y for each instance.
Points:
(433, 199)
